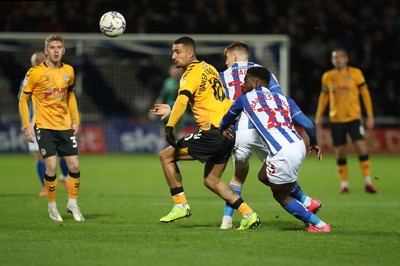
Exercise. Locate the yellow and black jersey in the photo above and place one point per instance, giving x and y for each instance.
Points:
(53, 97)
(201, 87)
(342, 90)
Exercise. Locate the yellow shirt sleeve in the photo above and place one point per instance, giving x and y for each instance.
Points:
(366, 97)
(24, 109)
(178, 110)
(73, 108)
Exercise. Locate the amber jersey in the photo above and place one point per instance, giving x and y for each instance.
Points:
(342, 89)
(52, 91)
(203, 87)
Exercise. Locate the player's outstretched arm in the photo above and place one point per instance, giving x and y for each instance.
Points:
(161, 109)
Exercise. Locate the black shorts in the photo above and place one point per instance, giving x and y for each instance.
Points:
(56, 142)
(208, 145)
(339, 132)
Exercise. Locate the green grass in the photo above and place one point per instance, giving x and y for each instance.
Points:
(123, 197)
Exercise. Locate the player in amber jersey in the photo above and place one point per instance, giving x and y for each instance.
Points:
(341, 88)
(56, 121)
(36, 59)
(201, 88)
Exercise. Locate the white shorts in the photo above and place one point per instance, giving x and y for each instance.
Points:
(247, 141)
(33, 147)
(284, 167)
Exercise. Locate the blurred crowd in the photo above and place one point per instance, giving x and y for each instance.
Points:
(368, 30)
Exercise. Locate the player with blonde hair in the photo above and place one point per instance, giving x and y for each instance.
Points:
(56, 121)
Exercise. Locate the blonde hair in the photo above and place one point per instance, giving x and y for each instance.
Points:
(53, 37)
(237, 46)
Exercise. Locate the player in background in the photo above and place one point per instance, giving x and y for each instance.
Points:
(341, 88)
(168, 94)
(247, 140)
(270, 113)
(201, 88)
(56, 121)
(36, 59)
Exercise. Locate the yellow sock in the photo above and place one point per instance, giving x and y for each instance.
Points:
(51, 187)
(73, 187)
(244, 209)
(343, 172)
(365, 167)
(179, 198)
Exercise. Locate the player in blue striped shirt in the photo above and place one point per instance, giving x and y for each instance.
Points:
(247, 140)
(272, 115)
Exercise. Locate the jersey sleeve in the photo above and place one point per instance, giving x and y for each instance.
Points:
(364, 91)
(73, 107)
(273, 84)
(25, 94)
(233, 113)
(179, 108)
(323, 99)
(299, 118)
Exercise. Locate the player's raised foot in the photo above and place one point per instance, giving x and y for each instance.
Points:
(370, 189)
(251, 222)
(177, 213)
(64, 181)
(43, 192)
(315, 206)
(54, 214)
(325, 229)
(76, 212)
(344, 190)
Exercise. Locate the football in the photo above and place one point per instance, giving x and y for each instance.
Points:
(112, 24)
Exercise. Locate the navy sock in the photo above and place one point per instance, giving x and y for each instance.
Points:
(64, 167)
(41, 170)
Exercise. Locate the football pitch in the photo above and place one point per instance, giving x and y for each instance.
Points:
(123, 196)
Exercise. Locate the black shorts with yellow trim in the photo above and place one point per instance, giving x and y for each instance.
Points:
(56, 142)
(208, 145)
(339, 132)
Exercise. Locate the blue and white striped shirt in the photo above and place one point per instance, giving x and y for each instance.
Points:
(270, 114)
(233, 78)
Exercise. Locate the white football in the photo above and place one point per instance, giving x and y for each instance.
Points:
(112, 24)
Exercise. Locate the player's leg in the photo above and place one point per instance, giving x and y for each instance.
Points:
(365, 165)
(339, 134)
(169, 157)
(47, 145)
(212, 180)
(39, 165)
(68, 149)
(313, 205)
(73, 185)
(281, 193)
(40, 170)
(50, 182)
(244, 139)
(64, 172)
(282, 171)
(356, 131)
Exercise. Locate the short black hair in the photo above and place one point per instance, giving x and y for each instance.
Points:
(186, 41)
(261, 73)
